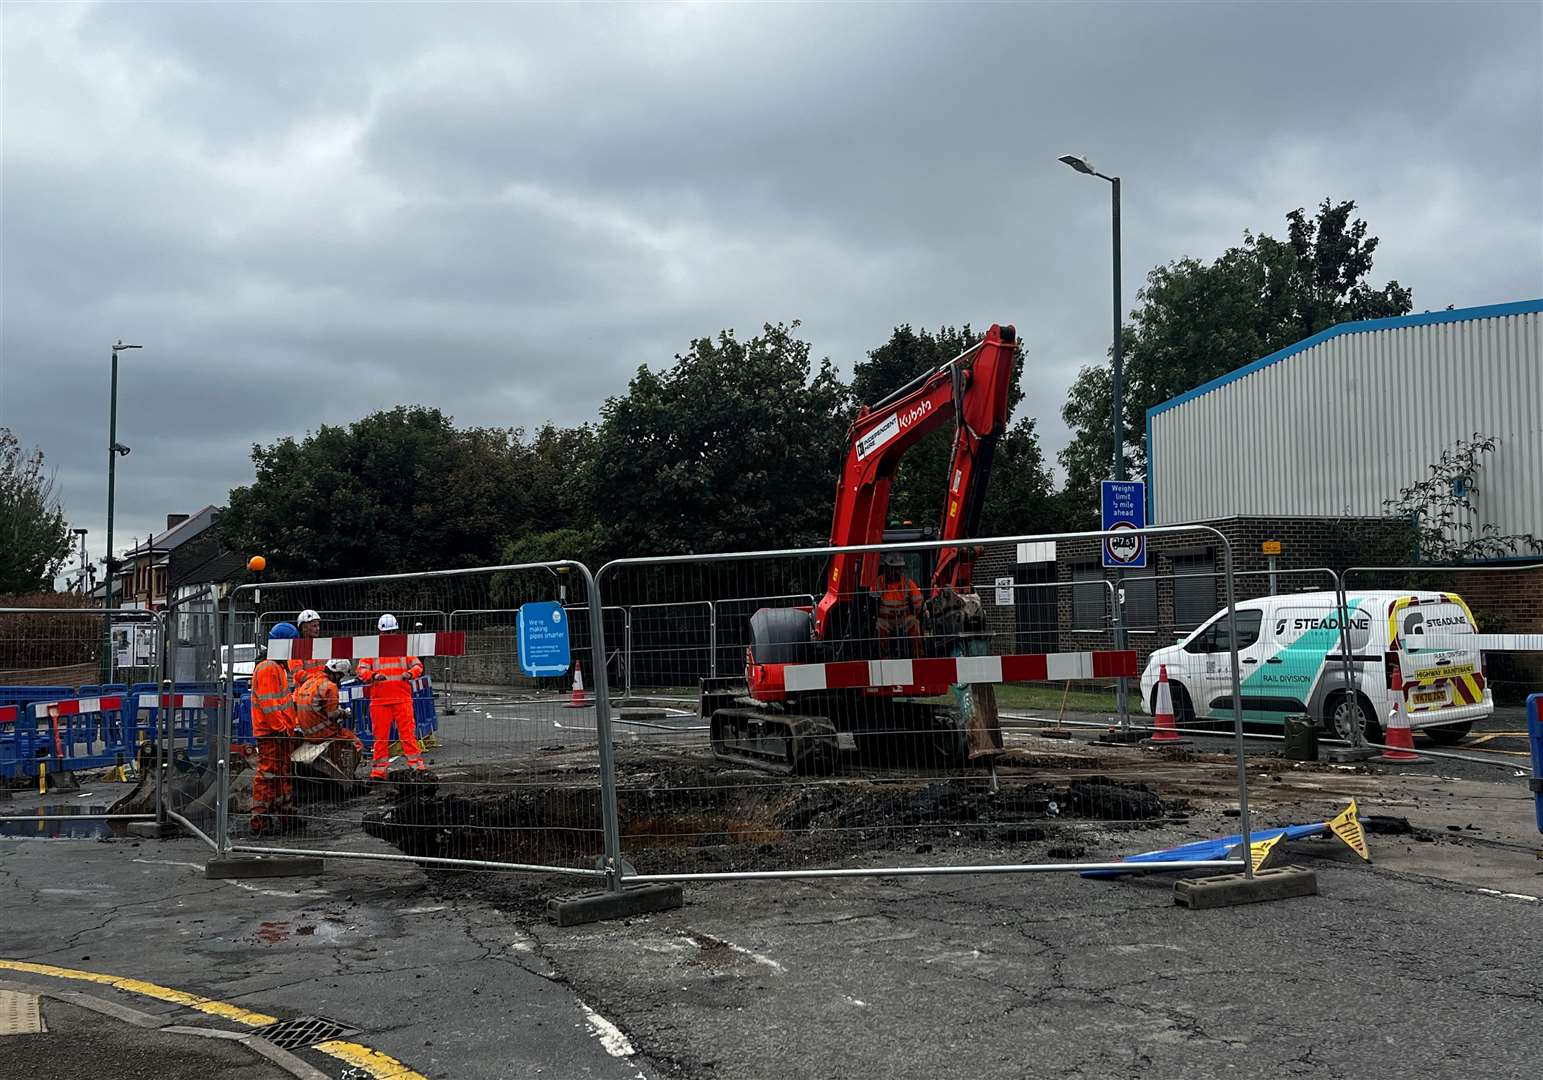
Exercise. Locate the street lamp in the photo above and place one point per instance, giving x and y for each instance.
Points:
(80, 538)
(1084, 166)
(114, 451)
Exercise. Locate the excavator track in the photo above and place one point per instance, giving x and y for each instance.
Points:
(787, 744)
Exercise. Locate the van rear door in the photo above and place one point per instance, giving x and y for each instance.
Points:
(1445, 673)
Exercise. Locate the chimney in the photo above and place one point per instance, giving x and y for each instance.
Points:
(173, 520)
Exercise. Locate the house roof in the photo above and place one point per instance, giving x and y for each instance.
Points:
(177, 535)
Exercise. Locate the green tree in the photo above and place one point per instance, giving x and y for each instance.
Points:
(733, 447)
(1448, 525)
(34, 536)
(917, 493)
(1195, 321)
(402, 490)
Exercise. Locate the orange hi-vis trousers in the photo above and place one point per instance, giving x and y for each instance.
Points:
(382, 715)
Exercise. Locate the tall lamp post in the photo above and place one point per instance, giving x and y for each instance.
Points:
(1117, 372)
(114, 451)
(1116, 414)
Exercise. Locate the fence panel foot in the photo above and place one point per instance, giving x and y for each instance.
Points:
(595, 907)
(1230, 890)
(154, 830)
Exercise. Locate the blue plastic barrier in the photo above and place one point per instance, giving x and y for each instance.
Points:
(1535, 739)
(26, 695)
(86, 740)
(425, 716)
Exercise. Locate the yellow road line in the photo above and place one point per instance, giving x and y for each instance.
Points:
(378, 1065)
(381, 1066)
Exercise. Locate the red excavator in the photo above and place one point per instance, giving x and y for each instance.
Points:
(758, 719)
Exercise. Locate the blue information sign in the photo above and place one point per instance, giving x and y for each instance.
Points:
(1125, 509)
(544, 639)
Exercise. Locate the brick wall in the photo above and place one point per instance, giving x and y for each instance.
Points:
(1307, 544)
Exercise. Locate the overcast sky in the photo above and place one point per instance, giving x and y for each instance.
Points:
(308, 212)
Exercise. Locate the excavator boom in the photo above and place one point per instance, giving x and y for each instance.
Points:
(970, 390)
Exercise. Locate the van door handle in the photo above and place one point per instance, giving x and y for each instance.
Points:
(1275, 660)
(1250, 660)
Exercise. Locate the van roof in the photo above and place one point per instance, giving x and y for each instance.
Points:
(1326, 596)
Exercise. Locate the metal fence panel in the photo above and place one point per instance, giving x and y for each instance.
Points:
(835, 736)
(509, 778)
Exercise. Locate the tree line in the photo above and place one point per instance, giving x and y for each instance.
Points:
(738, 442)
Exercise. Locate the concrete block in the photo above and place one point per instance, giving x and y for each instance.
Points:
(1230, 890)
(154, 830)
(636, 900)
(241, 867)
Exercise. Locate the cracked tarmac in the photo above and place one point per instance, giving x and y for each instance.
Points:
(1417, 965)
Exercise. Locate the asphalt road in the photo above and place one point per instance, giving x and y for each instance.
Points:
(1428, 962)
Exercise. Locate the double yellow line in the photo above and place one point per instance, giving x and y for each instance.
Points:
(378, 1065)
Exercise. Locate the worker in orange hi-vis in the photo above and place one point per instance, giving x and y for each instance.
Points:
(388, 685)
(900, 605)
(273, 729)
(303, 671)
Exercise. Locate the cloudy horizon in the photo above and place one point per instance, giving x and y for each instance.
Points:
(306, 213)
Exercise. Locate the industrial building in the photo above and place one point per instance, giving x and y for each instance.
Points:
(1336, 425)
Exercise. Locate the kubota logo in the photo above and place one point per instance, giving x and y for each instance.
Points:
(916, 414)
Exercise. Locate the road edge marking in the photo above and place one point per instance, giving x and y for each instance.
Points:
(380, 1065)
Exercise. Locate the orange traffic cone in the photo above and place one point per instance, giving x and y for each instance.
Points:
(1164, 729)
(1397, 737)
(577, 699)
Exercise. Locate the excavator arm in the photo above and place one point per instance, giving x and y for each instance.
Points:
(970, 390)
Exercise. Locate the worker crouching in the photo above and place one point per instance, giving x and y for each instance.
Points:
(331, 750)
(388, 682)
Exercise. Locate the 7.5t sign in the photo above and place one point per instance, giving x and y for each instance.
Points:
(1125, 511)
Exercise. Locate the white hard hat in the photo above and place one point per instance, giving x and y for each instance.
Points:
(306, 616)
(387, 624)
(339, 667)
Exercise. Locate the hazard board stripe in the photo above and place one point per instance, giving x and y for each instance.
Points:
(8, 714)
(76, 706)
(181, 701)
(451, 643)
(935, 671)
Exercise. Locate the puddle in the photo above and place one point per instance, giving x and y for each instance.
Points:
(59, 827)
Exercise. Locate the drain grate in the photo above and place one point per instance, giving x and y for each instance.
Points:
(303, 1031)
(20, 1014)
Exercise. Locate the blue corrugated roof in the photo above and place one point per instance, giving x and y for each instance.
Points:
(1427, 318)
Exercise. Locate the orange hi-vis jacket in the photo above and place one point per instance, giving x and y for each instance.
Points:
(898, 600)
(273, 707)
(399, 671)
(316, 707)
(303, 671)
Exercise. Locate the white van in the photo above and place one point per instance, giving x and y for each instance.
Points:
(1291, 662)
(245, 660)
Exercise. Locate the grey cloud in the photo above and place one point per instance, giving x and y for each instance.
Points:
(311, 211)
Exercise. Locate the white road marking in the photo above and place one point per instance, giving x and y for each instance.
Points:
(1513, 896)
(764, 961)
(616, 1044)
(422, 910)
(238, 884)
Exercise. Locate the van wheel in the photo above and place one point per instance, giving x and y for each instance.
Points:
(1449, 734)
(1183, 711)
(1342, 712)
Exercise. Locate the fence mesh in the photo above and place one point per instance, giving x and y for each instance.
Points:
(384, 760)
(874, 720)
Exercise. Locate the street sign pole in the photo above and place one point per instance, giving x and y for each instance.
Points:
(1124, 514)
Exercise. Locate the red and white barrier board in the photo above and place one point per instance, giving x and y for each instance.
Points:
(181, 701)
(941, 671)
(452, 643)
(8, 714)
(76, 706)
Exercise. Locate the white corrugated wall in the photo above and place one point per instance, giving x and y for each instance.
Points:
(1345, 424)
